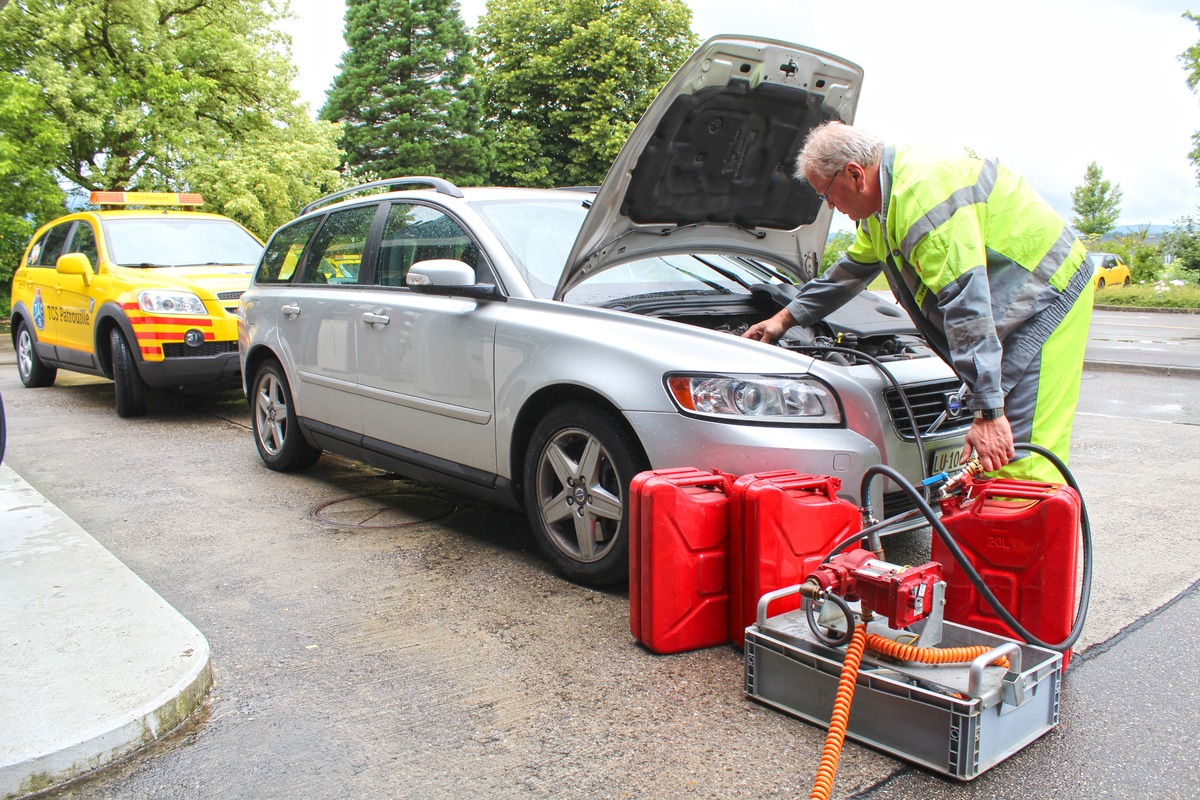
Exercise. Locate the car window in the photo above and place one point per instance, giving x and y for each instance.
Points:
(84, 241)
(336, 253)
(283, 252)
(419, 233)
(179, 241)
(49, 247)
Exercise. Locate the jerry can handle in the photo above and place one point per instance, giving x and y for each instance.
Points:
(823, 484)
(700, 478)
(1029, 491)
(765, 601)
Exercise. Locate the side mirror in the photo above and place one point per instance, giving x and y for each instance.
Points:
(449, 277)
(75, 264)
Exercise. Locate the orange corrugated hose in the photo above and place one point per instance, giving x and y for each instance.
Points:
(840, 718)
(841, 715)
(929, 655)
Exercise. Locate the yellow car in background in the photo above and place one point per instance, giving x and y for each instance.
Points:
(1108, 270)
(146, 297)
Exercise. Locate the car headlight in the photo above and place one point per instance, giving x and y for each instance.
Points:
(158, 301)
(756, 398)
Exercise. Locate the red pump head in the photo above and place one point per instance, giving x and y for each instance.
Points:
(902, 594)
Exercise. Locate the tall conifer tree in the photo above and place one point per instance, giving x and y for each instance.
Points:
(405, 94)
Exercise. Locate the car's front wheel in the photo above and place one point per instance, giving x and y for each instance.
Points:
(33, 371)
(281, 443)
(131, 389)
(577, 472)
(1100, 283)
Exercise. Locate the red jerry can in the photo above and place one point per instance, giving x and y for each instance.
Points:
(1023, 538)
(782, 524)
(679, 559)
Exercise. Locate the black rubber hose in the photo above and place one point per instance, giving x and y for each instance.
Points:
(973, 575)
(844, 607)
(912, 418)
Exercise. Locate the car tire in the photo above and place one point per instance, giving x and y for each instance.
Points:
(33, 371)
(1126, 282)
(1100, 283)
(277, 435)
(578, 466)
(3, 431)
(131, 390)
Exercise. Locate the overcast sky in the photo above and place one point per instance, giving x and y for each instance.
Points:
(1047, 86)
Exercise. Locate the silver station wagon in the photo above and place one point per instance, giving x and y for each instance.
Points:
(539, 348)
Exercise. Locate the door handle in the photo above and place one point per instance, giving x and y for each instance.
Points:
(290, 311)
(376, 317)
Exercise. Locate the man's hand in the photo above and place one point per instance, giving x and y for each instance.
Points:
(991, 441)
(772, 328)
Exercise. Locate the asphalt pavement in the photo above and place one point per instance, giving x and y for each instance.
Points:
(95, 665)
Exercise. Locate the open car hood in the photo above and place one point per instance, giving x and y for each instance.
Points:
(709, 166)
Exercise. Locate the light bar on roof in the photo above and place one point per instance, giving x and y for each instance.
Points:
(147, 199)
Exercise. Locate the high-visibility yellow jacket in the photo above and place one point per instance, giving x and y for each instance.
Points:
(982, 263)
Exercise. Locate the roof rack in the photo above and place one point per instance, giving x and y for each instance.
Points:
(442, 186)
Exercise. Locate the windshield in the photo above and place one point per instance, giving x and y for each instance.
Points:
(178, 241)
(539, 236)
(671, 276)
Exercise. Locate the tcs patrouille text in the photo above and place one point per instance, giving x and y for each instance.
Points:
(74, 316)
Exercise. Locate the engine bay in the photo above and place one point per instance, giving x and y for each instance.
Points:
(867, 325)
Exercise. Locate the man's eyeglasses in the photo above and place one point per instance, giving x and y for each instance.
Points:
(824, 196)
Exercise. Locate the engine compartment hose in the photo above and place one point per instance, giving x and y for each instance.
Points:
(840, 719)
(929, 655)
(1085, 590)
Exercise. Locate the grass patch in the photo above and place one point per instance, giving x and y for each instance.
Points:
(1149, 295)
(1144, 295)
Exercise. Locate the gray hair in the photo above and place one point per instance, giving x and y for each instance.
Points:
(832, 145)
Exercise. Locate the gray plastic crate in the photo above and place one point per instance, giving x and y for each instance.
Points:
(940, 717)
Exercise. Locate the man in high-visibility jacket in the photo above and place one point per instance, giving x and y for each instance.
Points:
(997, 282)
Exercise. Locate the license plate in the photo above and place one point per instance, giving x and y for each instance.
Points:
(944, 459)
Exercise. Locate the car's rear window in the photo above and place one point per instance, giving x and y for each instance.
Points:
(178, 241)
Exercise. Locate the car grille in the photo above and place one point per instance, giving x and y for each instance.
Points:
(896, 503)
(181, 350)
(928, 402)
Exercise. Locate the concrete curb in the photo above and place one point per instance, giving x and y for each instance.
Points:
(1145, 369)
(96, 664)
(1147, 309)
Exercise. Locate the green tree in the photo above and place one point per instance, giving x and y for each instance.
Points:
(1143, 257)
(1097, 203)
(1191, 62)
(405, 95)
(1182, 242)
(835, 248)
(28, 191)
(567, 80)
(146, 95)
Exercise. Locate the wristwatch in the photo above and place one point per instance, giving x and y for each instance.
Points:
(989, 413)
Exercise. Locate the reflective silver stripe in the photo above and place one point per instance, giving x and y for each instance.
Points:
(1038, 278)
(943, 211)
(1057, 255)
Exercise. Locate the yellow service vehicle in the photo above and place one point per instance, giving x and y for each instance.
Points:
(146, 297)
